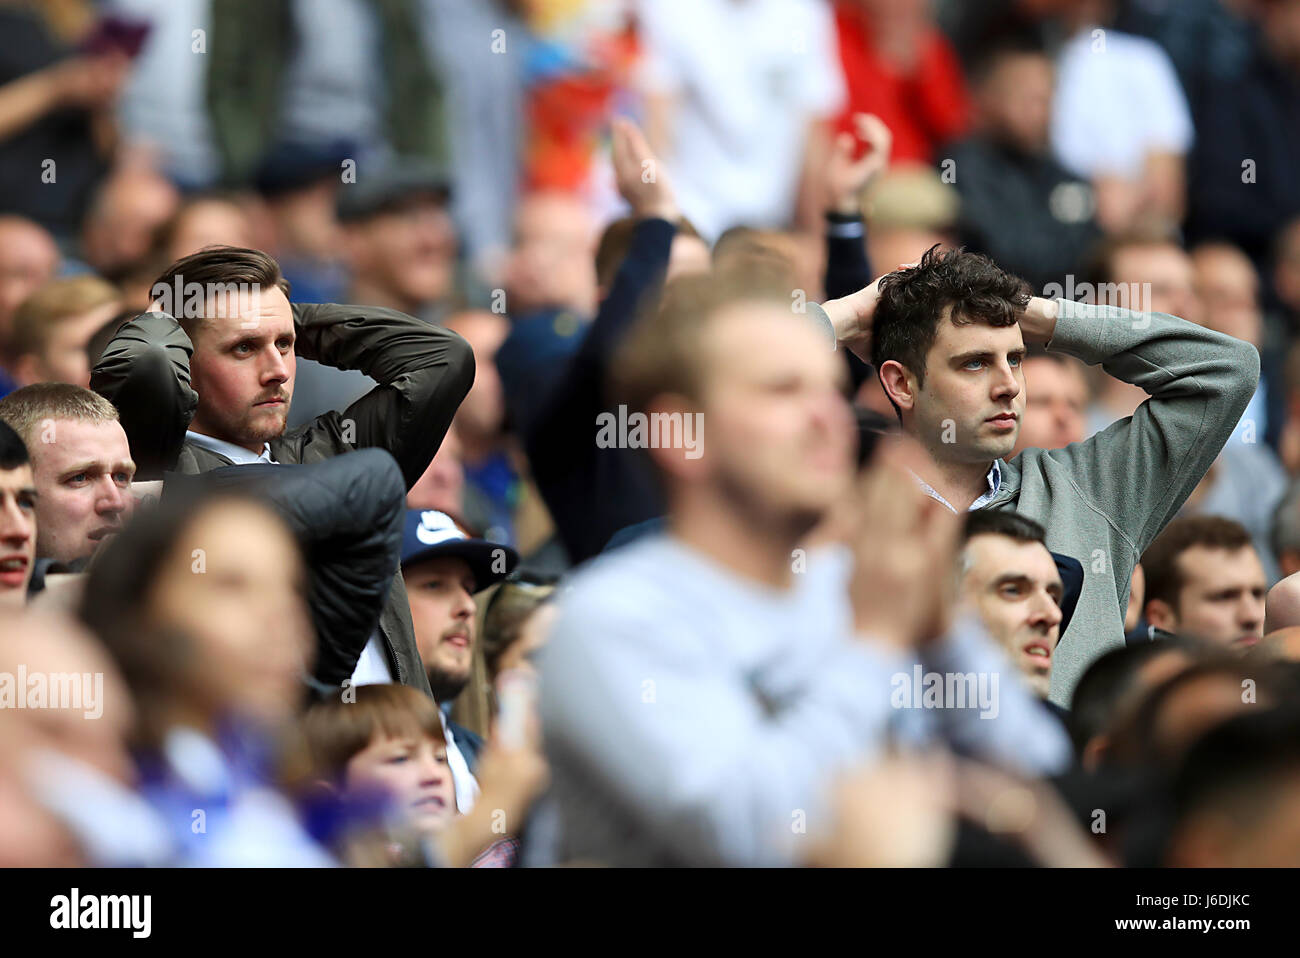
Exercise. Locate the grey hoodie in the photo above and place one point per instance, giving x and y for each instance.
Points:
(1103, 500)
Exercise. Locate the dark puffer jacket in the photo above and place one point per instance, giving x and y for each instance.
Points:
(423, 371)
(346, 514)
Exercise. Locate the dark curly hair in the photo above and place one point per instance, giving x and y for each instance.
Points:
(913, 300)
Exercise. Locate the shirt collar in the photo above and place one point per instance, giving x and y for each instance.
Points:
(236, 454)
(994, 479)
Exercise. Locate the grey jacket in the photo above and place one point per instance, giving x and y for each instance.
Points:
(424, 372)
(1105, 499)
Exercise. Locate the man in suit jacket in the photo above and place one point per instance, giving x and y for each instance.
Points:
(217, 354)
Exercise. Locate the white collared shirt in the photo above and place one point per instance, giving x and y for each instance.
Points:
(462, 779)
(994, 479)
(236, 454)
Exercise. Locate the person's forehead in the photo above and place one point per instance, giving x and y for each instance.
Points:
(1209, 566)
(82, 326)
(1136, 264)
(15, 479)
(483, 330)
(260, 312)
(997, 555)
(101, 442)
(1017, 66)
(759, 338)
(436, 566)
(952, 339)
(25, 244)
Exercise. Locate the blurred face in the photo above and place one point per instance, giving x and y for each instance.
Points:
(552, 262)
(520, 653)
(407, 255)
(1016, 100)
(973, 399)
(413, 773)
(65, 359)
(243, 369)
(83, 480)
(1222, 599)
(133, 207)
(1197, 707)
(1228, 287)
(233, 585)
(93, 734)
(442, 487)
(1286, 274)
(1017, 591)
(1269, 838)
(17, 534)
(441, 594)
(1056, 398)
(689, 254)
(1159, 279)
(482, 412)
(305, 220)
(210, 223)
(778, 434)
(28, 259)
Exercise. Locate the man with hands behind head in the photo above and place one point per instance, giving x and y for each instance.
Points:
(206, 379)
(947, 337)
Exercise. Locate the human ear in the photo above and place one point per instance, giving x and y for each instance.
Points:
(898, 383)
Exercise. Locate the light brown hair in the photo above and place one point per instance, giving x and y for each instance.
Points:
(53, 304)
(1160, 561)
(336, 730)
(25, 409)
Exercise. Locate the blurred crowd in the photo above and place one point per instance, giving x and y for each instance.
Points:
(369, 553)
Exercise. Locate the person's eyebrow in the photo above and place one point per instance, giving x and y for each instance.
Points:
(1008, 578)
(126, 465)
(85, 466)
(243, 336)
(964, 358)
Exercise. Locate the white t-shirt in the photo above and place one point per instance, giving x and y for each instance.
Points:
(747, 77)
(1117, 99)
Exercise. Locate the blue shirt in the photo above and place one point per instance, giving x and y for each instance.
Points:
(994, 479)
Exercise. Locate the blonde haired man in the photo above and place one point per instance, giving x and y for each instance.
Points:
(53, 328)
(81, 463)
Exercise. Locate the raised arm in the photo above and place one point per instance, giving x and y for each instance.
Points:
(560, 441)
(424, 372)
(1140, 470)
(145, 372)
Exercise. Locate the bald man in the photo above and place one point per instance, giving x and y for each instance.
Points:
(1282, 605)
(125, 217)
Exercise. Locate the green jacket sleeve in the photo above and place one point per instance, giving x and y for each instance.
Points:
(424, 372)
(1140, 470)
(145, 372)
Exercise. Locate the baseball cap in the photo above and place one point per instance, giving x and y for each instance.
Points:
(388, 188)
(429, 534)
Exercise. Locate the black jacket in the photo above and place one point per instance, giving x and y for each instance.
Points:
(590, 492)
(423, 371)
(346, 514)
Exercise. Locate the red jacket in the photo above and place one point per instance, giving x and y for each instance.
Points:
(924, 110)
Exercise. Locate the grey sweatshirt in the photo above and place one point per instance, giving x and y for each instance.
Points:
(693, 717)
(1105, 499)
